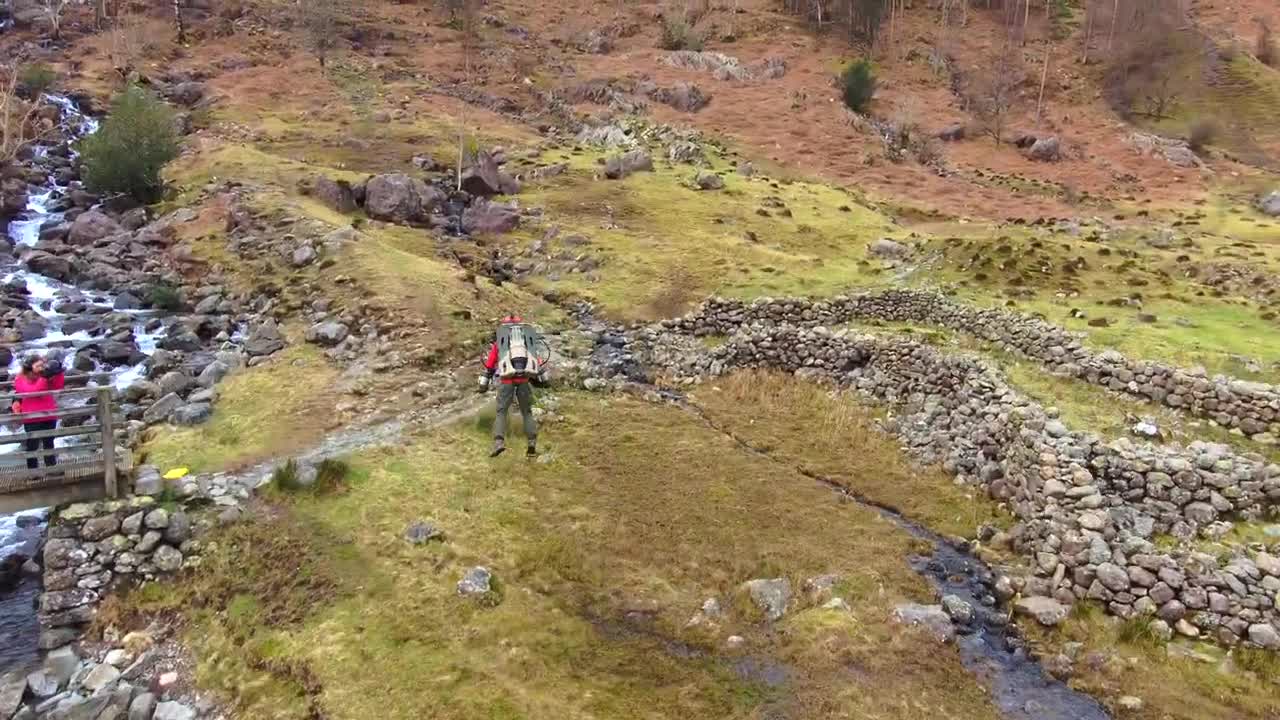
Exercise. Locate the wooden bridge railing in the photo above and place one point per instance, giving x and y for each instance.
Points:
(85, 469)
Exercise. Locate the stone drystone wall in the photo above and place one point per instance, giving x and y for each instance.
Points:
(1088, 509)
(1252, 407)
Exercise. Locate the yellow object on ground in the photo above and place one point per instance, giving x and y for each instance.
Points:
(176, 473)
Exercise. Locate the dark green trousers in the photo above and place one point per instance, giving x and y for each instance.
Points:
(523, 394)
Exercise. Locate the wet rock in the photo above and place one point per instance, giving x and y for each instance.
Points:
(1044, 610)
(931, 617)
(54, 266)
(770, 596)
(957, 609)
(178, 530)
(59, 665)
(12, 686)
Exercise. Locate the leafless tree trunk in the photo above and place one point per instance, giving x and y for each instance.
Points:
(178, 22)
(1115, 16)
(1088, 32)
(1044, 73)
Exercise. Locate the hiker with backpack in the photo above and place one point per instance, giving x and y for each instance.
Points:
(513, 357)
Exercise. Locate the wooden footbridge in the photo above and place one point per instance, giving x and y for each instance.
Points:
(83, 468)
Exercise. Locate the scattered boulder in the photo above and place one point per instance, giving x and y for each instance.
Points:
(1046, 150)
(710, 181)
(173, 711)
(303, 256)
(953, 133)
(476, 581)
(485, 179)
(620, 166)
(931, 617)
(771, 596)
(683, 96)
(186, 93)
(488, 218)
(422, 532)
(886, 248)
(400, 199)
(162, 408)
(265, 339)
(327, 334)
(192, 414)
(1270, 204)
(50, 265)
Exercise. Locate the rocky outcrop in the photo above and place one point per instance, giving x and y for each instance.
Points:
(617, 167)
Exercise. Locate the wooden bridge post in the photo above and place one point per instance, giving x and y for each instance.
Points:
(108, 442)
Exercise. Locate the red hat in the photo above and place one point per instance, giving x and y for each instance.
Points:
(512, 319)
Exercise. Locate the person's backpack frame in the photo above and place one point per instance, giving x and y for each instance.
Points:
(522, 352)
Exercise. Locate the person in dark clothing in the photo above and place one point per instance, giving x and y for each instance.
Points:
(38, 376)
(512, 357)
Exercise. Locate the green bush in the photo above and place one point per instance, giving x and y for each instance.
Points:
(285, 478)
(164, 297)
(858, 84)
(677, 34)
(330, 475)
(127, 153)
(36, 78)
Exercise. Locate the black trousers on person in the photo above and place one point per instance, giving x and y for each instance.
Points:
(34, 445)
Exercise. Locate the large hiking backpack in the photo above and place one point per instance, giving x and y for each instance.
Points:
(517, 351)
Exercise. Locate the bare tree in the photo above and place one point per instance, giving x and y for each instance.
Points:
(18, 126)
(53, 13)
(318, 20)
(1266, 50)
(994, 92)
(178, 22)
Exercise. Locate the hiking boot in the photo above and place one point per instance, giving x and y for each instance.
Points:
(531, 452)
(498, 447)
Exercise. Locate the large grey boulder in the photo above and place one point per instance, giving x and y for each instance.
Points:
(930, 617)
(484, 178)
(887, 248)
(401, 199)
(148, 481)
(1044, 610)
(488, 218)
(174, 711)
(143, 707)
(327, 333)
(620, 166)
(192, 414)
(1270, 204)
(476, 581)
(50, 265)
(160, 411)
(1046, 150)
(770, 596)
(265, 339)
(91, 227)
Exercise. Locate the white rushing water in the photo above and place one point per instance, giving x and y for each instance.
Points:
(21, 533)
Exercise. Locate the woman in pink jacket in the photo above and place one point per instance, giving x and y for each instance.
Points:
(38, 376)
